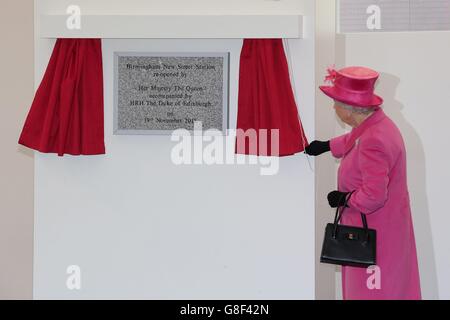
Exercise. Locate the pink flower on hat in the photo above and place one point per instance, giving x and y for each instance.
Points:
(331, 76)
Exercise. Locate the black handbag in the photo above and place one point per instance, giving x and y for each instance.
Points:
(348, 245)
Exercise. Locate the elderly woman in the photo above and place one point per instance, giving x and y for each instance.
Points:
(373, 166)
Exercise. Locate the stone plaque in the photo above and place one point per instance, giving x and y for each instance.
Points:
(156, 93)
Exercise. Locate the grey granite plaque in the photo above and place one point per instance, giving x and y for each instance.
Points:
(156, 93)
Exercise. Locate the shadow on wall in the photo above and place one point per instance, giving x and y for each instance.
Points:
(25, 151)
(417, 185)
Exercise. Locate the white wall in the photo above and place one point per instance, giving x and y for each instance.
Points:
(141, 227)
(325, 128)
(415, 84)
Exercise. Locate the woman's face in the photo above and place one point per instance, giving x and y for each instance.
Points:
(343, 114)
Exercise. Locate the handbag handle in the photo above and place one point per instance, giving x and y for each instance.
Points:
(338, 216)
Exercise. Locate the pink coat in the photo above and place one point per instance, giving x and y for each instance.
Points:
(374, 165)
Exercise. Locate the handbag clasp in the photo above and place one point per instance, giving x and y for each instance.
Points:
(352, 236)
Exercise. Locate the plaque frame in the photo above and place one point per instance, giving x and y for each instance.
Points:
(225, 96)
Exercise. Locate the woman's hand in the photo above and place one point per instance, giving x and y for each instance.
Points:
(337, 198)
(317, 147)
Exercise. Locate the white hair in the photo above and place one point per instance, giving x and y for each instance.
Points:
(361, 110)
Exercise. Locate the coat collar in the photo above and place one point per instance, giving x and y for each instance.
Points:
(374, 118)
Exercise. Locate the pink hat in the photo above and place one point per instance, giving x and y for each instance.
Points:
(353, 86)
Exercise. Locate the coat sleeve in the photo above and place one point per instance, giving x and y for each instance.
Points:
(374, 164)
(337, 145)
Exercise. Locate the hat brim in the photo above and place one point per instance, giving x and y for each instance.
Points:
(331, 92)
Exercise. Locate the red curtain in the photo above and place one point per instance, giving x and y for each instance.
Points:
(66, 116)
(266, 101)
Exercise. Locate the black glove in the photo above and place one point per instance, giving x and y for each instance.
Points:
(337, 198)
(317, 147)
